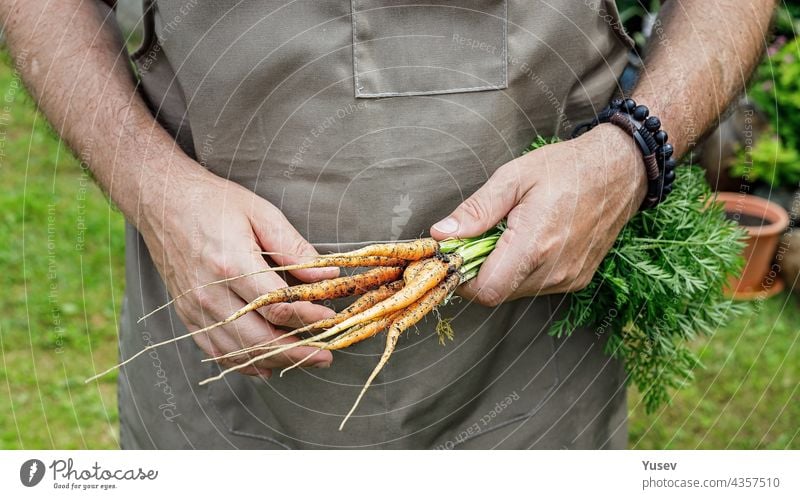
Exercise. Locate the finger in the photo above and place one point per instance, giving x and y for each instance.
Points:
(296, 315)
(276, 235)
(248, 330)
(292, 315)
(516, 255)
(251, 371)
(301, 356)
(252, 329)
(486, 207)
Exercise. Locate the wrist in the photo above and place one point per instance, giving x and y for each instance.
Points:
(166, 190)
(623, 157)
(645, 129)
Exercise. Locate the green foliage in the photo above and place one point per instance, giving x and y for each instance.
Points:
(540, 141)
(776, 91)
(768, 161)
(662, 285)
(633, 13)
(787, 18)
(62, 280)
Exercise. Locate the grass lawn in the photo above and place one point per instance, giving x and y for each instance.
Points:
(62, 276)
(62, 280)
(748, 395)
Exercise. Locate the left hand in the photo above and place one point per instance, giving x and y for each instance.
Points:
(565, 204)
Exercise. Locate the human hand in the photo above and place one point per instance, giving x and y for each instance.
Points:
(565, 204)
(202, 228)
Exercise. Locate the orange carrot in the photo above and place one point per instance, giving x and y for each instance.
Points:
(331, 288)
(368, 300)
(407, 318)
(361, 332)
(343, 261)
(348, 338)
(412, 270)
(411, 250)
(320, 262)
(430, 275)
(364, 302)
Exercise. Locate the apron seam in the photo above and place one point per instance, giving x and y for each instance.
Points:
(354, 38)
(501, 86)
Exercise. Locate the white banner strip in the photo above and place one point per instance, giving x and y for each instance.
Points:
(376, 474)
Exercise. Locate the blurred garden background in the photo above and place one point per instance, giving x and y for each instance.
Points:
(62, 276)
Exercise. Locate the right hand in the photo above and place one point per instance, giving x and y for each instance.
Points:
(201, 228)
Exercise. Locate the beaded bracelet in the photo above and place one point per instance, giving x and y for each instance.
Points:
(636, 121)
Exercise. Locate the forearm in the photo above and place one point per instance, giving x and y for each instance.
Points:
(700, 56)
(73, 61)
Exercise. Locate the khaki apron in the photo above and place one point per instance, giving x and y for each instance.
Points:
(370, 120)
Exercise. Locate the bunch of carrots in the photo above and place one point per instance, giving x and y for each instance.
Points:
(405, 282)
(651, 265)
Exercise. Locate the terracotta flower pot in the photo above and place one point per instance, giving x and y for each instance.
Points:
(765, 222)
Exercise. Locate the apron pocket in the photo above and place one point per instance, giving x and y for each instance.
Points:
(431, 47)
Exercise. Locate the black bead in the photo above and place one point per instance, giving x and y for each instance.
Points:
(640, 113)
(661, 137)
(666, 191)
(617, 103)
(629, 105)
(670, 164)
(666, 150)
(652, 123)
(669, 177)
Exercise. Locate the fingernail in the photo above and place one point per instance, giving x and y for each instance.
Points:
(447, 226)
(321, 365)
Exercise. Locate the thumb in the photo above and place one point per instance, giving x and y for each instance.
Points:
(276, 235)
(481, 211)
